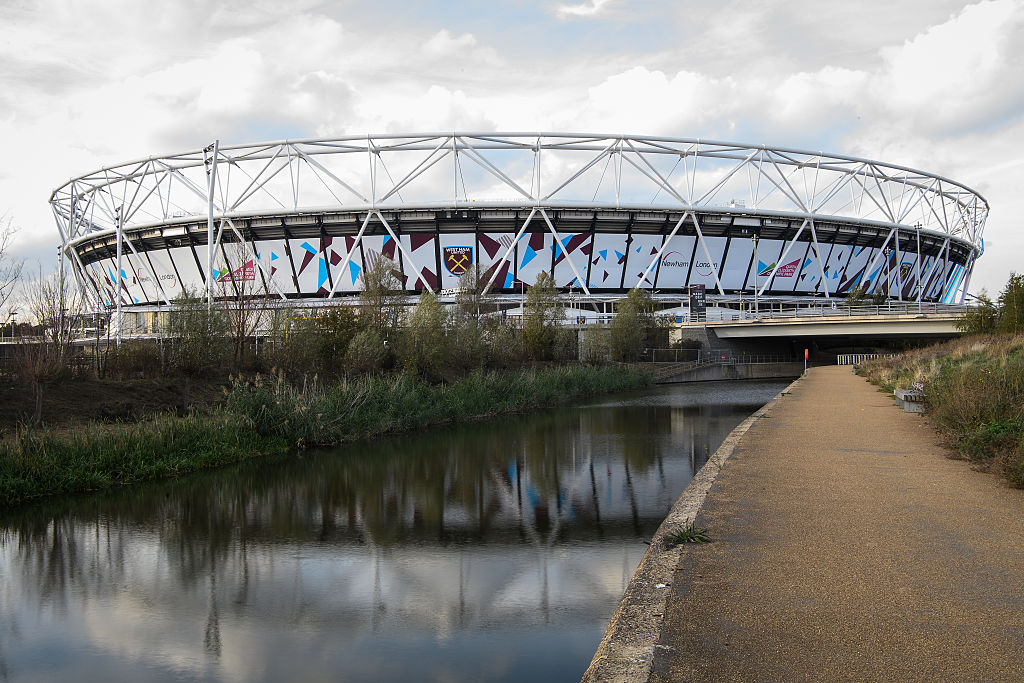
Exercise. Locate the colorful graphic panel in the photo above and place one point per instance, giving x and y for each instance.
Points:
(810, 274)
(376, 247)
(575, 248)
(859, 260)
(344, 276)
(533, 255)
(491, 246)
(274, 266)
(458, 257)
(642, 252)
(836, 264)
(419, 263)
(607, 260)
(310, 265)
(767, 256)
(703, 271)
(675, 262)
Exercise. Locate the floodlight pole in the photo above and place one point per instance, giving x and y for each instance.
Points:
(119, 278)
(211, 176)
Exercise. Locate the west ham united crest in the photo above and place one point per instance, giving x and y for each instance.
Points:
(458, 259)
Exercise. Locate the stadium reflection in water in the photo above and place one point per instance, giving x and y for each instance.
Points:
(492, 551)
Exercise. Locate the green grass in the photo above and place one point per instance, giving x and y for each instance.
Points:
(974, 390)
(263, 417)
(689, 532)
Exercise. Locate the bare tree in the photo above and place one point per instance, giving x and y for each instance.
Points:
(54, 307)
(244, 297)
(10, 268)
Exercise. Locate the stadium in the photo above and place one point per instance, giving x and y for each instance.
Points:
(297, 222)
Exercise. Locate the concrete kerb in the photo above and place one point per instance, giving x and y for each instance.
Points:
(626, 652)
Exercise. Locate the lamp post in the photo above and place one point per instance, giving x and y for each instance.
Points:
(757, 269)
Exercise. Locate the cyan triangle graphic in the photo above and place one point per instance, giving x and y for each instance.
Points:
(508, 280)
(353, 270)
(322, 276)
(386, 239)
(216, 273)
(761, 265)
(273, 257)
(123, 274)
(807, 262)
(309, 247)
(618, 254)
(136, 300)
(603, 253)
(530, 253)
(638, 250)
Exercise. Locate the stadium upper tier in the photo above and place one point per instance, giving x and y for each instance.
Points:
(601, 213)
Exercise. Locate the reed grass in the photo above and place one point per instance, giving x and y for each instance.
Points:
(377, 405)
(267, 416)
(974, 390)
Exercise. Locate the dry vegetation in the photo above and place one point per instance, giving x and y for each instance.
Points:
(975, 393)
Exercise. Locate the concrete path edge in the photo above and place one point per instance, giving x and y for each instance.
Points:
(626, 652)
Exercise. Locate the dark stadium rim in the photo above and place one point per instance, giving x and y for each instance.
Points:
(733, 226)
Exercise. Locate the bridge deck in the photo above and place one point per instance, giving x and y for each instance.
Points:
(847, 546)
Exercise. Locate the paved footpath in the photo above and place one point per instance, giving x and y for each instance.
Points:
(848, 547)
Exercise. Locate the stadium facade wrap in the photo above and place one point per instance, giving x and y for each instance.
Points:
(302, 219)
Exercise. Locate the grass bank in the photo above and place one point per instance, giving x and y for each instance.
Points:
(263, 416)
(975, 393)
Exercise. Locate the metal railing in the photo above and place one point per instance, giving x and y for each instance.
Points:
(858, 358)
(830, 310)
(713, 357)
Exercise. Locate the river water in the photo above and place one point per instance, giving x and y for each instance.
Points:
(491, 551)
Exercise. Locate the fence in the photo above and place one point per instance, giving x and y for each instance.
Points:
(858, 358)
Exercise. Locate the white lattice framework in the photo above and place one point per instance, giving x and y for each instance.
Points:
(534, 171)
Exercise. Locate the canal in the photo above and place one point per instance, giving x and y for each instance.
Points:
(495, 550)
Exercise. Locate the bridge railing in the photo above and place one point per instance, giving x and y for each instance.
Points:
(713, 357)
(825, 309)
(858, 358)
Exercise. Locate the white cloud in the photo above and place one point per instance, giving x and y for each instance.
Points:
(590, 8)
(123, 81)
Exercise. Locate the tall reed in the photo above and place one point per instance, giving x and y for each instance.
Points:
(267, 416)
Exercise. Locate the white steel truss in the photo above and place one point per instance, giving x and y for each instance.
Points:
(460, 170)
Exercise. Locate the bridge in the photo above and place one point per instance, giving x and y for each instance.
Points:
(894, 319)
(770, 343)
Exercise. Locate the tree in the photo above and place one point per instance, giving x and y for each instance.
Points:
(199, 338)
(383, 296)
(541, 314)
(366, 352)
(981, 319)
(856, 296)
(1011, 305)
(631, 328)
(54, 307)
(10, 269)
(424, 347)
(471, 299)
(243, 297)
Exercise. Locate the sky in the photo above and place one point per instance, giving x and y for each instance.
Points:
(932, 84)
